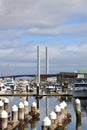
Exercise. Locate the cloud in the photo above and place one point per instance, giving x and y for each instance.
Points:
(27, 13)
(61, 25)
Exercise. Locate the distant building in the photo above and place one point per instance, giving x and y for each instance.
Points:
(70, 76)
(82, 73)
(66, 77)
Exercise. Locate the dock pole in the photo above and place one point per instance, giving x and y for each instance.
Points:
(1, 106)
(3, 120)
(14, 113)
(46, 123)
(21, 111)
(78, 110)
(6, 105)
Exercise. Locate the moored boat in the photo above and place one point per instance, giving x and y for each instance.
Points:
(58, 87)
(50, 88)
(11, 84)
(2, 88)
(80, 89)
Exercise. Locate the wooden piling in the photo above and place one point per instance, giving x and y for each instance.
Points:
(12, 125)
(78, 124)
(53, 117)
(34, 107)
(14, 113)
(3, 120)
(6, 105)
(57, 110)
(1, 106)
(65, 109)
(26, 126)
(46, 123)
(26, 110)
(62, 112)
(21, 111)
(34, 111)
(33, 123)
(78, 109)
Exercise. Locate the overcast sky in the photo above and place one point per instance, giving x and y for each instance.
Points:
(61, 25)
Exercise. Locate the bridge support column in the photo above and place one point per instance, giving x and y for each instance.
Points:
(38, 64)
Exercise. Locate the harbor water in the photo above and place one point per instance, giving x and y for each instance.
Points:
(46, 106)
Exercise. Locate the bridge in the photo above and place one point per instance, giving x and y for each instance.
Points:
(43, 76)
(61, 77)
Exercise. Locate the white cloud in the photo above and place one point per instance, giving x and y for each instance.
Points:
(64, 21)
(27, 13)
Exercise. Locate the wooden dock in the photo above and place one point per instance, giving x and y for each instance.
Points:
(35, 95)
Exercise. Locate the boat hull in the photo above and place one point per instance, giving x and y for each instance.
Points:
(80, 94)
(50, 88)
(3, 91)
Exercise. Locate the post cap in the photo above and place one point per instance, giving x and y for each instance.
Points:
(21, 105)
(53, 115)
(6, 100)
(1, 103)
(46, 121)
(57, 108)
(3, 114)
(26, 103)
(14, 108)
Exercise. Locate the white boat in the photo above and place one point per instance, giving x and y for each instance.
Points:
(2, 88)
(58, 87)
(10, 84)
(50, 88)
(80, 89)
(23, 85)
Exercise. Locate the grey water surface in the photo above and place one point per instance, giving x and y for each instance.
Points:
(46, 106)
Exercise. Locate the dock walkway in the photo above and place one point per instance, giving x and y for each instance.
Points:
(35, 95)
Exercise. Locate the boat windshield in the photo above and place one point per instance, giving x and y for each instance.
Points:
(81, 85)
(9, 80)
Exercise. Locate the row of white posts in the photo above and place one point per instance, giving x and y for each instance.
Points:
(56, 118)
(60, 115)
(18, 113)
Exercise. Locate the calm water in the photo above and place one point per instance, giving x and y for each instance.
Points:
(47, 109)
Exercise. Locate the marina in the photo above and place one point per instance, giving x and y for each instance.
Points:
(48, 105)
(43, 103)
(43, 66)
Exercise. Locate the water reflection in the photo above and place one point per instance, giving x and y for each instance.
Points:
(84, 105)
(65, 98)
(78, 125)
